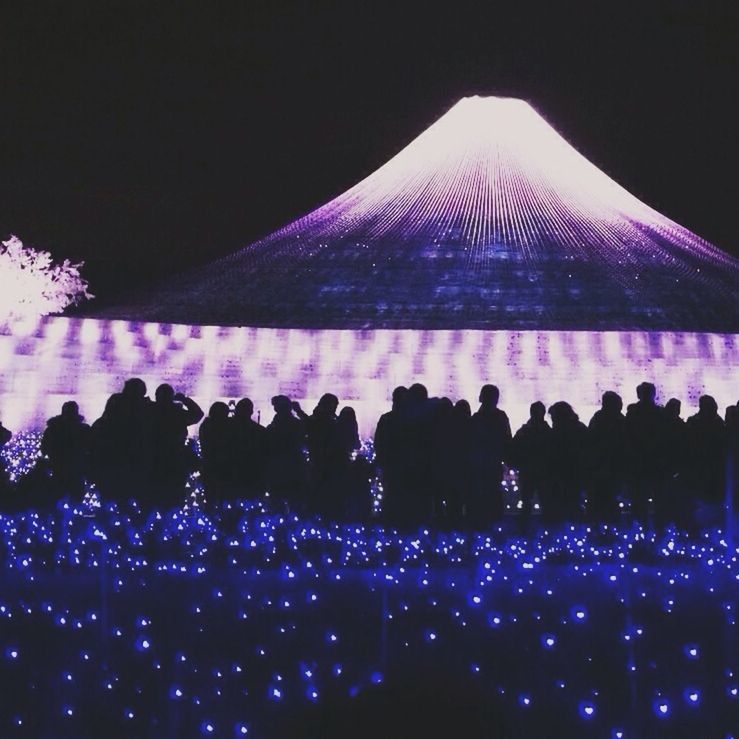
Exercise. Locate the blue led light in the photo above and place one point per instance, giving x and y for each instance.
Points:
(661, 708)
(587, 710)
(548, 641)
(293, 641)
(692, 696)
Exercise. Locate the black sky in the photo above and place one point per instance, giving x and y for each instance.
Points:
(145, 137)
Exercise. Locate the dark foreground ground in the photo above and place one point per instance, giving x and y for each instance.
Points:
(239, 622)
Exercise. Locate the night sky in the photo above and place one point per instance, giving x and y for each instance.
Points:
(148, 137)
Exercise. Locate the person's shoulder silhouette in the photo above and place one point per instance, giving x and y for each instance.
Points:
(5, 435)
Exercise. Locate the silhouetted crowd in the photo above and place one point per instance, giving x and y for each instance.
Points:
(440, 458)
(436, 459)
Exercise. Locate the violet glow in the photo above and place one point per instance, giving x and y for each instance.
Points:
(44, 362)
(489, 219)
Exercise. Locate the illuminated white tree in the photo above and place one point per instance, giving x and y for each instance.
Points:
(32, 284)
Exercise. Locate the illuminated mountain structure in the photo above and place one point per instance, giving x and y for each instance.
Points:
(489, 220)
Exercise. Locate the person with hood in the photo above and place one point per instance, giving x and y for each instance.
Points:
(66, 443)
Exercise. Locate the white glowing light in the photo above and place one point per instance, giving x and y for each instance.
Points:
(33, 285)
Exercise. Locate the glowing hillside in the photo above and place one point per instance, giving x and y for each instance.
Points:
(489, 219)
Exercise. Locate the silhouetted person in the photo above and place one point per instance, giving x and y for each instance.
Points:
(646, 431)
(390, 440)
(417, 504)
(171, 415)
(108, 451)
(251, 450)
(348, 431)
(675, 424)
(490, 439)
(134, 428)
(706, 434)
(218, 452)
(5, 437)
(66, 442)
(286, 466)
(460, 460)
(607, 457)
(732, 456)
(731, 419)
(325, 451)
(354, 469)
(679, 499)
(531, 453)
(569, 454)
(441, 460)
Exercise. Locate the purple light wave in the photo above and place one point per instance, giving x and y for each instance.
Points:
(43, 363)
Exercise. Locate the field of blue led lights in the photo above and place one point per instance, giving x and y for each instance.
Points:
(244, 622)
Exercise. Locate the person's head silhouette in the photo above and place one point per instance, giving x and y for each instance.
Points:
(71, 411)
(672, 408)
(400, 397)
(611, 402)
(537, 411)
(244, 409)
(327, 405)
(707, 405)
(646, 392)
(462, 409)
(489, 396)
(134, 387)
(218, 411)
(562, 414)
(164, 394)
(282, 404)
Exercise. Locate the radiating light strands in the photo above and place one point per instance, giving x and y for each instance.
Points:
(488, 219)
